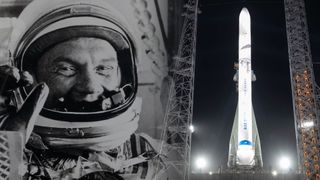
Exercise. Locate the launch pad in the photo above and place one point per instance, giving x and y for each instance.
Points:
(245, 176)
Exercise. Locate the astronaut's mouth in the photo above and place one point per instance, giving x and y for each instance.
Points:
(103, 103)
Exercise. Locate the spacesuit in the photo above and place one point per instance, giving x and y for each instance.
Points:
(68, 138)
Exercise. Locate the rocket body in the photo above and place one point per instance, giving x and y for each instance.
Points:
(245, 151)
(244, 147)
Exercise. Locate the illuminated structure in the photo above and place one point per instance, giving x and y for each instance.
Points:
(244, 147)
(179, 111)
(305, 97)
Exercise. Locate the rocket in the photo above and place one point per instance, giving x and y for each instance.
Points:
(244, 149)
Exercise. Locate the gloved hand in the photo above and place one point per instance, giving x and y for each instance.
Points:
(23, 119)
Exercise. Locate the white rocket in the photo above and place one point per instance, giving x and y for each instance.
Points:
(244, 149)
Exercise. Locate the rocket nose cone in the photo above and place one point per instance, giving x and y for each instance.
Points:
(244, 14)
(244, 21)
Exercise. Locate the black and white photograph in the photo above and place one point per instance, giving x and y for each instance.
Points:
(84, 88)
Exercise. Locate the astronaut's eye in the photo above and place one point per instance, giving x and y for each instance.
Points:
(65, 69)
(104, 69)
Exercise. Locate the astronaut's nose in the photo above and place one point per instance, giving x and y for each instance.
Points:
(88, 88)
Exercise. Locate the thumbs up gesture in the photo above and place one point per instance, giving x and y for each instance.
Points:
(23, 119)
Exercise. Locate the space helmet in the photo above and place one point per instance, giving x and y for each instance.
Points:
(47, 23)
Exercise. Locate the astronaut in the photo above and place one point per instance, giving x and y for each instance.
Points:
(70, 89)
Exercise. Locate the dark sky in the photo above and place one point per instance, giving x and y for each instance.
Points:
(215, 96)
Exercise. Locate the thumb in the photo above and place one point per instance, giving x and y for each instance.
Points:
(24, 120)
(32, 106)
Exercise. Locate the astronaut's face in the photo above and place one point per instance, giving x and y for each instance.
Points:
(81, 70)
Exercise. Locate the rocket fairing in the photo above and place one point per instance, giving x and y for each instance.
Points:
(245, 152)
(244, 147)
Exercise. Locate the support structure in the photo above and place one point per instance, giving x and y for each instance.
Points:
(303, 89)
(179, 109)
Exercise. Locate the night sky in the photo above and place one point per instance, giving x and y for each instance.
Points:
(215, 96)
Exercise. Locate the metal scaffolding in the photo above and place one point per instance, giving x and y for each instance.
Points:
(179, 109)
(303, 86)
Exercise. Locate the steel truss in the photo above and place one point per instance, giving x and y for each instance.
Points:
(306, 114)
(179, 111)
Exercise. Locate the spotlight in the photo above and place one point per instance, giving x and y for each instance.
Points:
(191, 128)
(274, 173)
(201, 163)
(284, 163)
